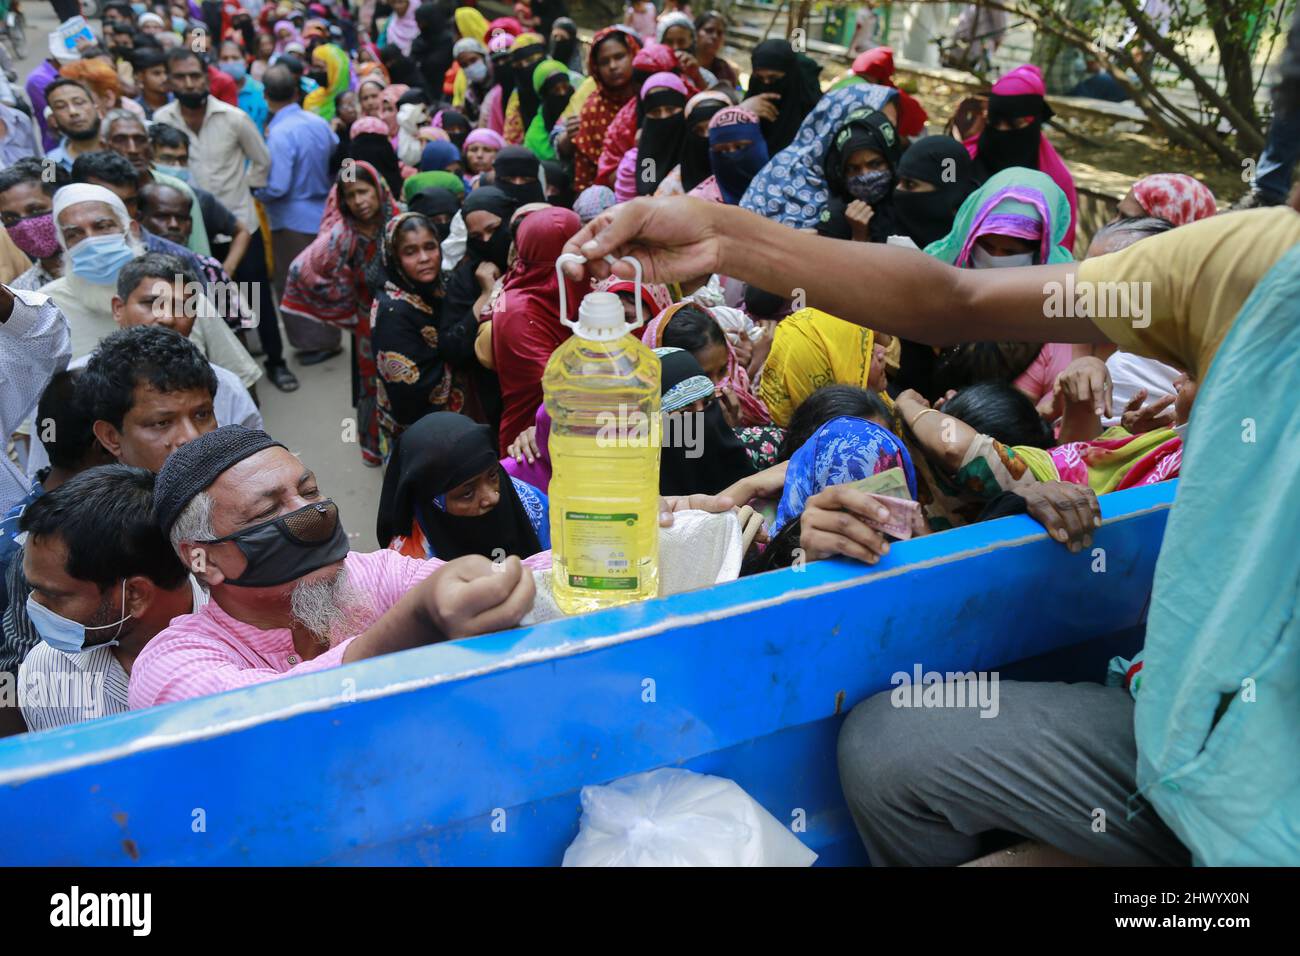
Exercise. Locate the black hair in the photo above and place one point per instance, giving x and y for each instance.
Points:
(147, 57)
(292, 64)
(161, 358)
(106, 166)
(973, 362)
(830, 401)
(764, 305)
(706, 16)
(63, 420)
(693, 329)
(29, 169)
(1001, 411)
(413, 96)
(147, 41)
(279, 84)
(1140, 227)
(179, 54)
(161, 134)
(152, 265)
(120, 6)
(66, 81)
(105, 518)
(779, 553)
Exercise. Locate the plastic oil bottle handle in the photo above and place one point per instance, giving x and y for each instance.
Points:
(581, 260)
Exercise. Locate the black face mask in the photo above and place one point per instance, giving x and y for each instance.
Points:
(442, 229)
(320, 77)
(1001, 149)
(192, 101)
(289, 547)
(925, 216)
(496, 250)
(522, 193)
(562, 50)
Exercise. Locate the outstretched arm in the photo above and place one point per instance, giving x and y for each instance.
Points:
(889, 288)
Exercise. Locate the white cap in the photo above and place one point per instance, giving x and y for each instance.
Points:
(600, 317)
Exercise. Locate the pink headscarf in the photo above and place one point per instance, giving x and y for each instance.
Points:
(390, 95)
(625, 177)
(1027, 80)
(1175, 197)
(736, 379)
(402, 31)
(671, 80)
(369, 124)
(285, 25)
(490, 138)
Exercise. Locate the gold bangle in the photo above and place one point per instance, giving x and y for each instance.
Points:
(919, 415)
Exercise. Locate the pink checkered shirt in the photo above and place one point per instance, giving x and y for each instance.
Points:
(210, 652)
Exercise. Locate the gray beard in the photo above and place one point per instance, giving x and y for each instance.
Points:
(328, 608)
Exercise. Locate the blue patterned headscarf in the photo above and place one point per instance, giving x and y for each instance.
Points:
(843, 450)
(792, 187)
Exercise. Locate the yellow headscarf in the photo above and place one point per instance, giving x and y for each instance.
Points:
(470, 23)
(812, 348)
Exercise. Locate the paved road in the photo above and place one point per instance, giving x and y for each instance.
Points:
(311, 421)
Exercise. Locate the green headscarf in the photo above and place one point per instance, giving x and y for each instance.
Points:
(439, 178)
(538, 137)
(1009, 204)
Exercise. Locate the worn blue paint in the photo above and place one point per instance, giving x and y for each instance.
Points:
(349, 767)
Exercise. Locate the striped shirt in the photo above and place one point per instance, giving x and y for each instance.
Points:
(210, 652)
(56, 688)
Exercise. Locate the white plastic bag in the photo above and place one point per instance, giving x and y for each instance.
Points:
(673, 817)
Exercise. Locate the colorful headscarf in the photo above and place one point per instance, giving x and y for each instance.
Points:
(1015, 202)
(438, 179)
(812, 348)
(1175, 197)
(323, 101)
(282, 44)
(841, 451)
(538, 136)
(507, 25)
(734, 171)
(877, 66)
(486, 137)
(599, 110)
(792, 188)
(1024, 85)
(735, 380)
(402, 31)
(471, 25)
(592, 201)
(368, 124)
(438, 155)
(655, 297)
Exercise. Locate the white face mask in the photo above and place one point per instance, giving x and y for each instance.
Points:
(979, 259)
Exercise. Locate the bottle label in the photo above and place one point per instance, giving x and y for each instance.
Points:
(598, 550)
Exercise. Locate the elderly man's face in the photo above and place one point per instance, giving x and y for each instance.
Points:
(263, 486)
(156, 425)
(128, 138)
(85, 219)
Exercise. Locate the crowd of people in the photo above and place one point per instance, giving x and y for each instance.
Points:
(206, 183)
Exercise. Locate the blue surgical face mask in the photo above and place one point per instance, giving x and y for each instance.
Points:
(138, 8)
(179, 24)
(235, 69)
(476, 72)
(69, 636)
(870, 187)
(99, 259)
(176, 172)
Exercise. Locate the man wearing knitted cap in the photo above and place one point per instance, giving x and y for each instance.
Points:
(287, 597)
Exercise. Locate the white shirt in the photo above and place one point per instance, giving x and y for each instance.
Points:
(56, 688)
(228, 156)
(1129, 372)
(35, 344)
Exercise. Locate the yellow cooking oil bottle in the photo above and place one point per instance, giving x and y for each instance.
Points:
(601, 389)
